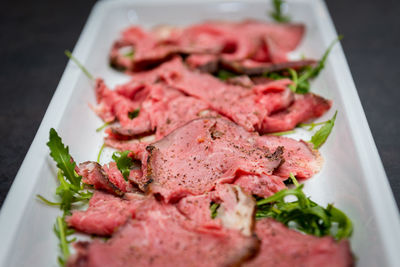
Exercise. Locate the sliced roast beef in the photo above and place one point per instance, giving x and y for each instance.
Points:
(158, 236)
(304, 108)
(195, 158)
(107, 178)
(283, 247)
(138, 49)
(251, 67)
(105, 214)
(299, 156)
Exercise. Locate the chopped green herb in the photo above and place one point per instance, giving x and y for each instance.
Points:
(274, 75)
(224, 75)
(124, 162)
(214, 209)
(102, 127)
(129, 54)
(70, 56)
(277, 14)
(303, 214)
(319, 138)
(133, 114)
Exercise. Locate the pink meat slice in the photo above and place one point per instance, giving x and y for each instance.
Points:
(105, 214)
(231, 41)
(305, 107)
(261, 185)
(299, 156)
(283, 247)
(240, 104)
(107, 178)
(195, 158)
(158, 236)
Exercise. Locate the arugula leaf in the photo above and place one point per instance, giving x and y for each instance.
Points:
(277, 13)
(319, 138)
(302, 83)
(62, 232)
(71, 188)
(224, 75)
(304, 214)
(214, 209)
(76, 61)
(133, 114)
(124, 162)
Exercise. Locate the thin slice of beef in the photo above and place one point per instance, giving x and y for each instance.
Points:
(305, 107)
(158, 236)
(261, 185)
(195, 158)
(107, 178)
(283, 247)
(299, 156)
(251, 67)
(106, 213)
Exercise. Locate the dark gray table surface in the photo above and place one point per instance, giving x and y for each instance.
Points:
(34, 35)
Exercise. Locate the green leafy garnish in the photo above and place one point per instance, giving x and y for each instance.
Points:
(124, 162)
(70, 191)
(304, 214)
(71, 188)
(133, 114)
(301, 84)
(100, 151)
(319, 138)
(214, 209)
(277, 14)
(76, 61)
(224, 74)
(102, 127)
(62, 232)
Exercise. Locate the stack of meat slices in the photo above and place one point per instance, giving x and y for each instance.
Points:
(199, 143)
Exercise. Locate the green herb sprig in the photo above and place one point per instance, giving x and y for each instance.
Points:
(319, 138)
(304, 214)
(80, 65)
(70, 191)
(277, 14)
(62, 232)
(124, 162)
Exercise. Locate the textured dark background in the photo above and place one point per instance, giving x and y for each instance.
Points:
(34, 34)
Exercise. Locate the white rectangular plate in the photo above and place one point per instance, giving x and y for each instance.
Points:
(352, 178)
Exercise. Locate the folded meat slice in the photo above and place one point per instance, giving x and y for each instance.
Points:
(193, 159)
(304, 108)
(159, 236)
(105, 214)
(283, 247)
(299, 156)
(107, 178)
(138, 49)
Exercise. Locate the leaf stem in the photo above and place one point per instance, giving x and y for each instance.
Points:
(102, 127)
(101, 150)
(76, 61)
